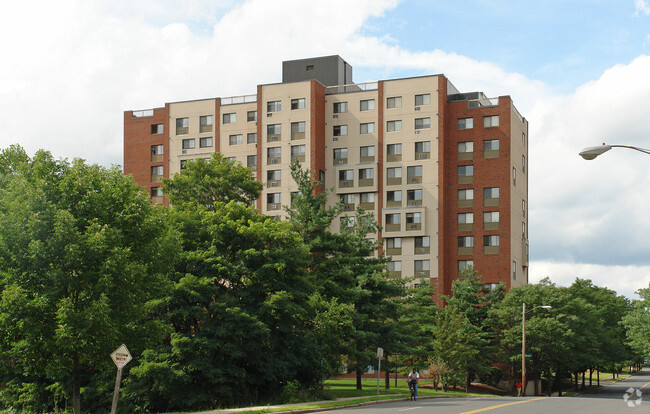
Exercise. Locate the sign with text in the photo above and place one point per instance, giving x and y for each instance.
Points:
(121, 356)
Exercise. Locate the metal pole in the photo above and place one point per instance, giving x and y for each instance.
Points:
(116, 392)
(523, 350)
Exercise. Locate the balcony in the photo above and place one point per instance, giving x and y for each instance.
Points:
(238, 99)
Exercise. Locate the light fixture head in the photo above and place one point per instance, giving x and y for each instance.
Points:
(590, 153)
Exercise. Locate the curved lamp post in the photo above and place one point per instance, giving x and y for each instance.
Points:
(590, 153)
(523, 343)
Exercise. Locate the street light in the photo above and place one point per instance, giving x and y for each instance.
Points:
(523, 344)
(590, 153)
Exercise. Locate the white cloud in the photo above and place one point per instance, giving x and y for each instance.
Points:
(641, 7)
(624, 280)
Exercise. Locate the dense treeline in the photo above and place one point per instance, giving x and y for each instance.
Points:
(221, 306)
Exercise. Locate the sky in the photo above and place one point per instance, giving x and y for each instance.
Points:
(579, 71)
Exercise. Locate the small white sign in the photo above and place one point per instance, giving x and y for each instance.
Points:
(121, 356)
(380, 352)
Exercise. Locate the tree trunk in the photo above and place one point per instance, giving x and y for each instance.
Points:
(395, 376)
(598, 376)
(386, 374)
(548, 382)
(583, 380)
(591, 375)
(558, 384)
(76, 384)
(536, 378)
(358, 371)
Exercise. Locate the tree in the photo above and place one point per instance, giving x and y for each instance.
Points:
(637, 324)
(208, 182)
(346, 266)
(82, 255)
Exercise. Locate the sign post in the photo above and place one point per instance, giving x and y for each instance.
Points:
(120, 357)
(380, 353)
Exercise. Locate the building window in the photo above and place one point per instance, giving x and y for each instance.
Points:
(347, 199)
(465, 218)
(367, 151)
(394, 149)
(273, 106)
(394, 196)
(414, 174)
(422, 241)
(274, 175)
(392, 126)
(514, 269)
(491, 217)
(490, 121)
(205, 123)
(205, 142)
(394, 172)
(466, 241)
(424, 99)
(394, 266)
(182, 126)
(523, 163)
(157, 150)
(464, 147)
(251, 116)
(414, 197)
(366, 174)
(523, 229)
(421, 267)
(367, 198)
(523, 139)
(346, 175)
(465, 123)
(422, 147)
(523, 207)
(340, 156)
(297, 150)
(297, 127)
(514, 176)
(156, 173)
(229, 118)
(465, 170)
(309, 68)
(490, 241)
(394, 243)
(394, 102)
(274, 152)
(422, 123)
(491, 145)
(393, 218)
(340, 107)
(251, 160)
(367, 128)
(465, 265)
(189, 143)
(367, 105)
(491, 193)
(156, 192)
(466, 194)
(237, 139)
(274, 129)
(157, 129)
(298, 103)
(251, 138)
(340, 130)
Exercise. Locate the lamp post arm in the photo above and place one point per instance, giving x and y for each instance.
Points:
(646, 151)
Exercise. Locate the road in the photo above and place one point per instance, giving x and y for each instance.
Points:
(607, 400)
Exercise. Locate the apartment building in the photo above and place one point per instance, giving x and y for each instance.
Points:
(444, 172)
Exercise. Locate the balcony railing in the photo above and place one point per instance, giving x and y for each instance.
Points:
(233, 100)
(353, 87)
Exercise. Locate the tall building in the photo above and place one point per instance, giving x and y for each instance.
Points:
(444, 172)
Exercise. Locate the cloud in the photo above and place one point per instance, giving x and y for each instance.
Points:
(624, 280)
(641, 8)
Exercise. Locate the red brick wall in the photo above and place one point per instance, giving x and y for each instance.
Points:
(380, 157)
(493, 268)
(317, 128)
(138, 140)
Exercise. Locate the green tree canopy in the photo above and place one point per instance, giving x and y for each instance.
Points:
(82, 254)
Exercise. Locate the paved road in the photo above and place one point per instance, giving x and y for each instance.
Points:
(607, 400)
